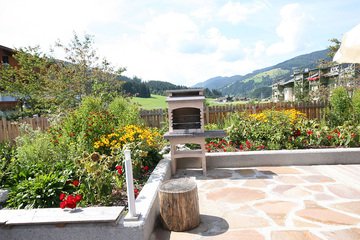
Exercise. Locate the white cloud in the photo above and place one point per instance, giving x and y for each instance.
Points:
(42, 22)
(289, 30)
(236, 12)
(181, 54)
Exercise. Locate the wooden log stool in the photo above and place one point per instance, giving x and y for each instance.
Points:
(179, 204)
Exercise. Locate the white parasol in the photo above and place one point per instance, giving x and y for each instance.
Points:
(349, 51)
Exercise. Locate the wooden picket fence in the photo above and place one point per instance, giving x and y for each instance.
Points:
(9, 130)
(218, 114)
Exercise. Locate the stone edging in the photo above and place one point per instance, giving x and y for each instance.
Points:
(277, 158)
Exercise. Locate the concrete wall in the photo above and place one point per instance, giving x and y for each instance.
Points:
(276, 158)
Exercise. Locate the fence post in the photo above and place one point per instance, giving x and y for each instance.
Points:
(131, 216)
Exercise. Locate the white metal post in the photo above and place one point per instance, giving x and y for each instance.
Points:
(130, 186)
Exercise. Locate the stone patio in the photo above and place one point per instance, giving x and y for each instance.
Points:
(277, 203)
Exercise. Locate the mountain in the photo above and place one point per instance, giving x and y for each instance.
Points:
(160, 87)
(258, 83)
(217, 82)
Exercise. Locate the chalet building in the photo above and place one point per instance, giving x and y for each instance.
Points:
(283, 91)
(6, 58)
(309, 81)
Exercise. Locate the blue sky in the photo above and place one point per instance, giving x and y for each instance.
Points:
(182, 41)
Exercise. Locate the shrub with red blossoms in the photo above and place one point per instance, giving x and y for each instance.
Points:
(75, 183)
(136, 192)
(119, 169)
(69, 201)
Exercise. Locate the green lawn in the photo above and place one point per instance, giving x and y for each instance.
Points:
(156, 101)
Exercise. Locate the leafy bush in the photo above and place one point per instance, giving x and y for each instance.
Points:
(6, 154)
(36, 155)
(270, 128)
(145, 144)
(97, 177)
(356, 105)
(38, 192)
(340, 107)
(67, 151)
(124, 111)
(288, 129)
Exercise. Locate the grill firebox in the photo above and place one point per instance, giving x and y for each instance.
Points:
(186, 124)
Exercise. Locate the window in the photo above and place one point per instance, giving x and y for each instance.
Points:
(5, 59)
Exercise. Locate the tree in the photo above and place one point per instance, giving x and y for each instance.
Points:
(26, 82)
(334, 47)
(45, 84)
(82, 74)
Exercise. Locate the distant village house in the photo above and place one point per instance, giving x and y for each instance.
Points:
(307, 82)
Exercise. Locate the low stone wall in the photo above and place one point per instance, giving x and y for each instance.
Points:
(276, 158)
(105, 223)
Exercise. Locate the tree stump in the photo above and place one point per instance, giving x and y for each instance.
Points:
(179, 204)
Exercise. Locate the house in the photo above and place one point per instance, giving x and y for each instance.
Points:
(283, 91)
(307, 83)
(6, 58)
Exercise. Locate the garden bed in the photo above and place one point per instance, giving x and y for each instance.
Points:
(89, 223)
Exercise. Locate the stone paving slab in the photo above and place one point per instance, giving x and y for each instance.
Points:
(276, 203)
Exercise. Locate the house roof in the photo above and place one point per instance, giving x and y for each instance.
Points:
(7, 49)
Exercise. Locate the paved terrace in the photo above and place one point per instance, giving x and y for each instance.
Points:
(277, 203)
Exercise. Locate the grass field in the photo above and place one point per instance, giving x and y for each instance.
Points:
(155, 102)
(158, 101)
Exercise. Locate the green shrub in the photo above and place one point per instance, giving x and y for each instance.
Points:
(356, 105)
(39, 192)
(124, 112)
(36, 155)
(271, 129)
(340, 107)
(6, 155)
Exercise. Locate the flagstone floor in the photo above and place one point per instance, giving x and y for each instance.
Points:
(277, 203)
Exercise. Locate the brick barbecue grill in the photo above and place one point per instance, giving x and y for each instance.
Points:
(186, 125)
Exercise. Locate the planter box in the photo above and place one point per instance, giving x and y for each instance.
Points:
(106, 223)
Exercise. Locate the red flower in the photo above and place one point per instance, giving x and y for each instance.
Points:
(241, 147)
(70, 201)
(309, 132)
(119, 169)
(136, 192)
(248, 144)
(146, 168)
(297, 133)
(329, 137)
(75, 183)
(78, 197)
(62, 196)
(63, 204)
